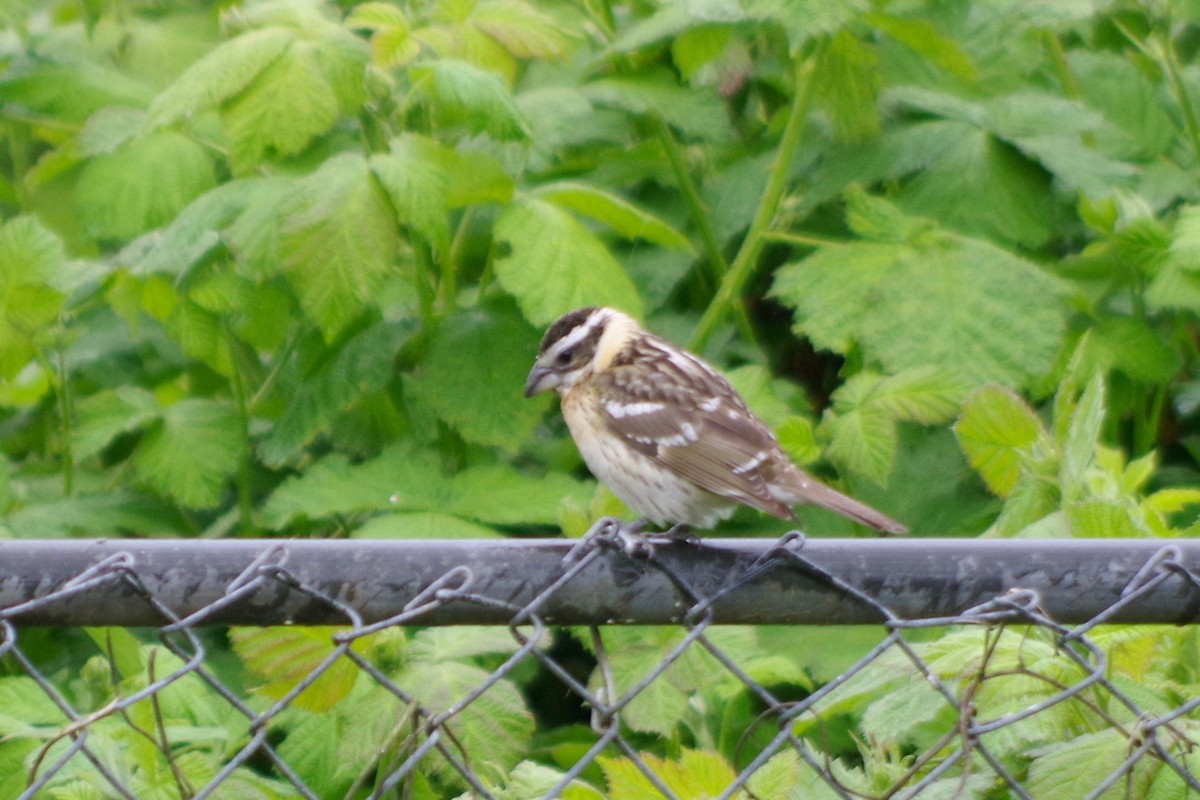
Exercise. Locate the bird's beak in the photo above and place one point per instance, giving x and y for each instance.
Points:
(540, 380)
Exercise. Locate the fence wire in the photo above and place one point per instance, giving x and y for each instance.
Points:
(139, 721)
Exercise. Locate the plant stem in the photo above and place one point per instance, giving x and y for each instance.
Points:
(714, 258)
(747, 257)
(238, 384)
(64, 410)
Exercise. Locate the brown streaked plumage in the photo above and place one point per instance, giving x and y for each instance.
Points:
(668, 434)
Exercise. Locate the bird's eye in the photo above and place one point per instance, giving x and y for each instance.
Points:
(564, 358)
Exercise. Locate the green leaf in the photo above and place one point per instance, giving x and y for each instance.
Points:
(32, 280)
(521, 28)
(340, 243)
(617, 213)
(71, 91)
(362, 365)
(463, 94)
(802, 20)
(1075, 768)
(495, 728)
(417, 188)
(500, 495)
(923, 38)
(977, 171)
(798, 439)
(142, 185)
(848, 86)
(552, 264)
(1102, 518)
(472, 176)
(285, 657)
(111, 513)
(862, 440)
(998, 432)
(219, 75)
(421, 525)
(289, 104)
(697, 113)
(474, 374)
(1131, 346)
(1082, 435)
(106, 415)
(1141, 128)
(191, 452)
(195, 232)
(939, 301)
(697, 773)
(405, 479)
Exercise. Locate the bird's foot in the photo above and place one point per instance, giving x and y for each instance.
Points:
(629, 538)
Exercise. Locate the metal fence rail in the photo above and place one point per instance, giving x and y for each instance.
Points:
(1027, 614)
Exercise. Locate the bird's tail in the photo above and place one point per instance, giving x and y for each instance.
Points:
(809, 490)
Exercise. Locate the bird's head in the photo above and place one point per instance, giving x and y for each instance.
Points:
(579, 344)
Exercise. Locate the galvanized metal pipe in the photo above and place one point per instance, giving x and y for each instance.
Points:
(1075, 580)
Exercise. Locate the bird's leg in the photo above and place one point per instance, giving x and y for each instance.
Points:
(682, 533)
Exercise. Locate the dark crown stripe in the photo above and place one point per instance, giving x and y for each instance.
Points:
(564, 325)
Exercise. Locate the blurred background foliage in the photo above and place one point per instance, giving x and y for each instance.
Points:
(279, 268)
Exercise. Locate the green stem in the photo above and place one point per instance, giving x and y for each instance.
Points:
(238, 384)
(1181, 95)
(714, 258)
(1066, 78)
(448, 290)
(747, 257)
(425, 284)
(64, 410)
(801, 240)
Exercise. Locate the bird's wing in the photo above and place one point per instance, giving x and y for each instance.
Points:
(698, 428)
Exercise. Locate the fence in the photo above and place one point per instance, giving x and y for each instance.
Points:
(995, 672)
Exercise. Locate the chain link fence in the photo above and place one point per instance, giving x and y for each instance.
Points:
(992, 675)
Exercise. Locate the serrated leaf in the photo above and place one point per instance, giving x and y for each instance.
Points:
(1082, 435)
(142, 185)
(361, 365)
(112, 513)
(1075, 768)
(796, 436)
(959, 293)
(32, 270)
(554, 264)
(863, 441)
(1131, 346)
(998, 431)
(923, 37)
(221, 74)
(500, 495)
(191, 452)
(340, 243)
(289, 104)
(285, 657)
(405, 479)
(417, 188)
(1100, 518)
(521, 28)
(463, 94)
(103, 416)
(195, 232)
(697, 113)
(697, 774)
(421, 525)
(802, 20)
(473, 375)
(495, 728)
(848, 86)
(617, 213)
(472, 176)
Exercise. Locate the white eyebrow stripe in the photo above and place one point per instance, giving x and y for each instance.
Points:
(621, 410)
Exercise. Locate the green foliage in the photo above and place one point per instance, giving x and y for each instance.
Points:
(279, 268)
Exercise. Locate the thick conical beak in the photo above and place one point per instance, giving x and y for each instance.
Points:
(540, 380)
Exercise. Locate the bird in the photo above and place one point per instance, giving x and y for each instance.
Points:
(666, 432)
